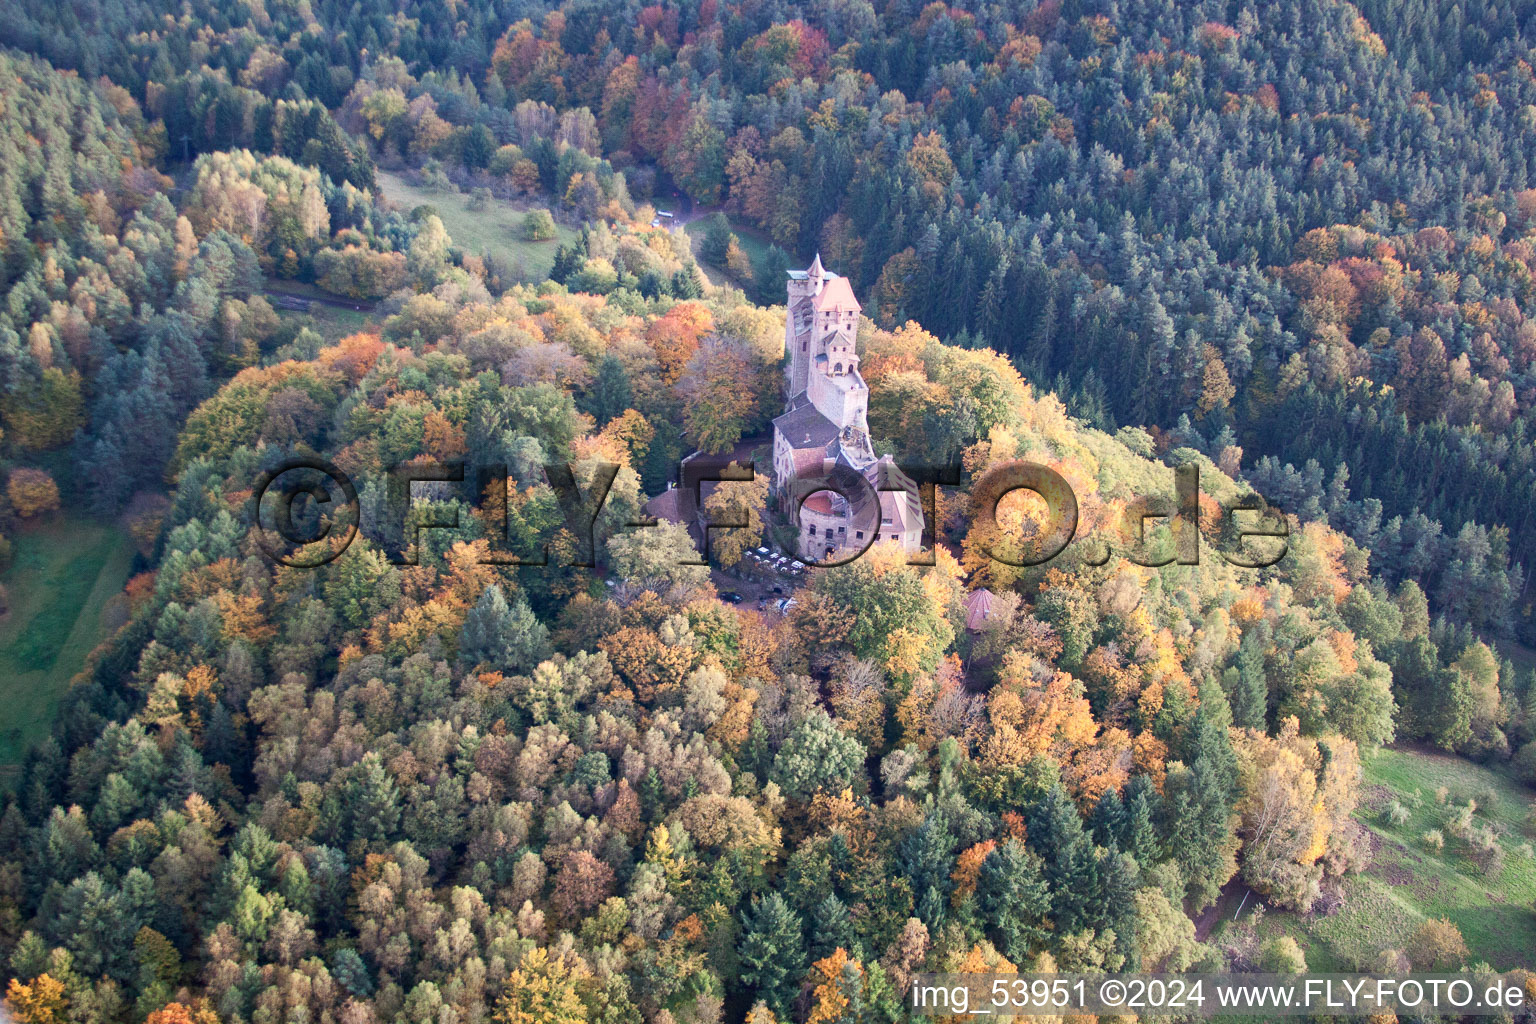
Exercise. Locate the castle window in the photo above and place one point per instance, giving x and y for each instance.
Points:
(813, 529)
(859, 534)
(804, 345)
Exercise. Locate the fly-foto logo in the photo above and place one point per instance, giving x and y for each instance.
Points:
(306, 512)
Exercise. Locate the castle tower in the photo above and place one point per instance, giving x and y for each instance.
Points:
(803, 287)
(824, 430)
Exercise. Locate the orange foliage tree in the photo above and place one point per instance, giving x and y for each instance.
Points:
(32, 492)
(39, 1002)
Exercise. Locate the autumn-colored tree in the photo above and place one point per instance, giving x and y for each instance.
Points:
(836, 984)
(46, 416)
(40, 1001)
(737, 262)
(1216, 389)
(675, 337)
(1032, 719)
(1423, 375)
(32, 492)
(720, 393)
(543, 989)
(930, 160)
(631, 435)
(1437, 945)
(968, 870)
(894, 291)
(178, 1013)
(858, 698)
(1295, 808)
(581, 884)
(736, 501)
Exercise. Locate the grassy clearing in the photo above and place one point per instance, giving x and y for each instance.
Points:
(498, 229)
(1521, 656)
(753, 242)
(332, 323)
(64, 573)
(1408, 881)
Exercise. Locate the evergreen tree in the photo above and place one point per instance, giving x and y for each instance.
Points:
(685, 283)
(1249, 688)
(510, 639)
(768, 275)
(1436, 701)
(772, 952)
(831, 928)
(1014, 899)
(1071, 868)
(1108, 820)
(1139, 838)
(373, 802)
(1200, 801)
(926, 856)
(569, 260)
(351, 972)
(717, 239)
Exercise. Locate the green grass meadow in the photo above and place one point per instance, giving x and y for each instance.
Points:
(1408, 881)
(753, 242)
(333, 323)
(498, 229)
(62, 576)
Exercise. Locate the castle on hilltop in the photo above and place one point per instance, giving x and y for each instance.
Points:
(824, 431)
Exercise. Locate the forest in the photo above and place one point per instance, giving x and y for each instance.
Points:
(1290, 245)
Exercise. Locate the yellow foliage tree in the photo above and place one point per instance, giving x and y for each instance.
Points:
(1295, 808)
(736, 501)
(1030, 719)
(830, 998)
(32, 492)
(543, 990)
(39, 1002)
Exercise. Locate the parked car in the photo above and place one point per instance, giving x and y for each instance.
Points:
(731, 597)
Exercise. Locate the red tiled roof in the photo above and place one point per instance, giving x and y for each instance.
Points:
(666, 505)
(836, 294)
(820, 502)
(978, 607)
